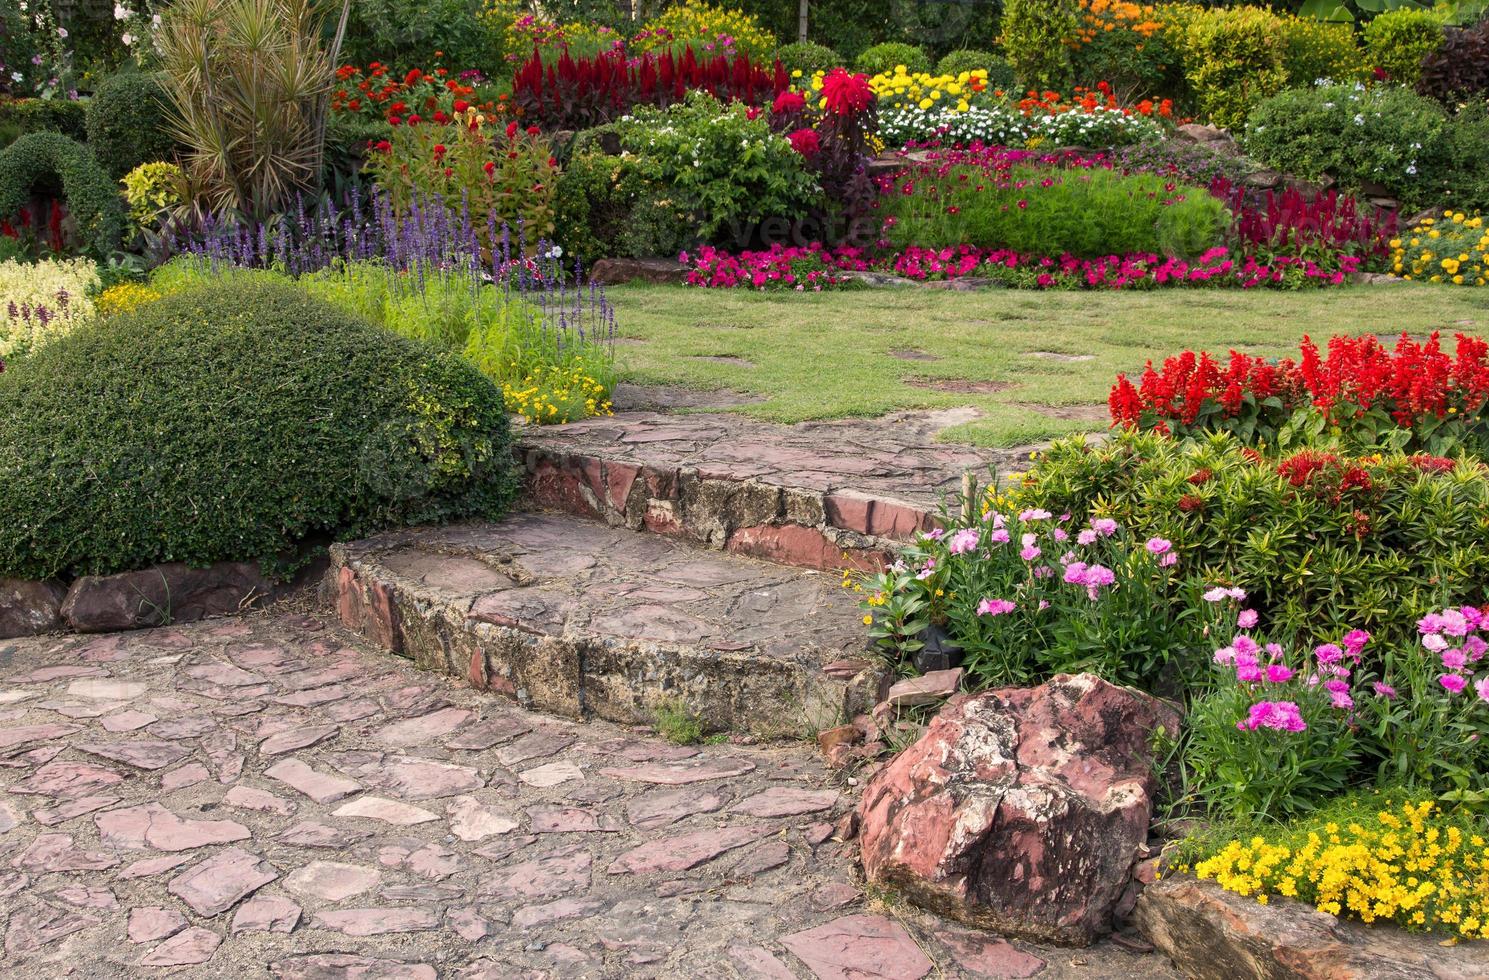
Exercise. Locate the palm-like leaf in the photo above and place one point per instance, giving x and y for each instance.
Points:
(248, 80)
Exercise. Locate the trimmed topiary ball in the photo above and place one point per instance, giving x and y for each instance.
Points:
(128, 122)
(91, 196)
(808, 57)
(237, 423)
(884, 57)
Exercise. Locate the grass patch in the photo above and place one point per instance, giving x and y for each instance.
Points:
(830, 355)
(677, 724)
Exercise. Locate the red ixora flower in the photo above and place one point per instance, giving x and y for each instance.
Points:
(805, 141)
(490, 168)
(383, 146)
(511, 130)
(846, 94)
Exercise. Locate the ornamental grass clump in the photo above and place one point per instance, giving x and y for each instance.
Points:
(1376, 857)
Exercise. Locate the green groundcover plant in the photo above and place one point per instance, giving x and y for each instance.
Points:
(236, 423)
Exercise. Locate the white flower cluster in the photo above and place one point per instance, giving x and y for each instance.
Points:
(1004, 126)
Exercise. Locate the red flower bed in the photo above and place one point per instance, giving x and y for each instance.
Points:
(1416, 395)
(413, 96)
(580, 93)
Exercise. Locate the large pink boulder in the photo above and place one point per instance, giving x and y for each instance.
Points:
(1021, 809)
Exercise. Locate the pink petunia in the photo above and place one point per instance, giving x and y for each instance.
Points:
(995, 607)
(1247, 619)
(964, 541)
(1453, 683)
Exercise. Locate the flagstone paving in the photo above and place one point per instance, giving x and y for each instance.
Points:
(267, 797)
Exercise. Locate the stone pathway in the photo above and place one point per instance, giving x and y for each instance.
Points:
(265, 797)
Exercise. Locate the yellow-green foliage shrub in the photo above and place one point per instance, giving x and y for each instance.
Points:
(1399, 39)
(1234, 58)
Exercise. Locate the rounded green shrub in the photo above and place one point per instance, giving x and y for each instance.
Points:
(91, 196)
(1386, 136)
(971, 60)
(884, 57)
(1233, 59)
(236, 423)
(1398, 40)
(128, 123)
(808, 57)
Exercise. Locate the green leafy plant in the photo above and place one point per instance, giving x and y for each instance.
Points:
(884, 57)
(727, 171)
(247, 83)
(1051, 210)
(91, 196)
(1035, 41)
(412, 32)
(1317, 558)
(128, 122)
(21, 116)
(283, 419)
(1398, 40)
(1316, 49)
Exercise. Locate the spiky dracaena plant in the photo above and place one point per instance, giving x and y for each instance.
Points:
(248, 81)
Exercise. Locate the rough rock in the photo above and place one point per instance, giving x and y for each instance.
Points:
(29, 608)
(1212, 934)
(163, 594)
(1020, 810)
(659, 271)
(913, 692)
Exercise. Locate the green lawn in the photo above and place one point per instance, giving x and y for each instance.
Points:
(829, 355)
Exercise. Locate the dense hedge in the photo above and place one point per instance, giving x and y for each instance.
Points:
(128, 123)
(21, 116)
(234, 423)
(91, 196)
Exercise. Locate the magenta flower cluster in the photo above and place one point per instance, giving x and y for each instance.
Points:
(815, 267)
(1455, 636)
(1264, 672)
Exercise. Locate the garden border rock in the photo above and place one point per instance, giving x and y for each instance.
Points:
(1212, 934)
(151, 597)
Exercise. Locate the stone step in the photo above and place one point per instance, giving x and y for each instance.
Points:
(823, 495)
(585, 620)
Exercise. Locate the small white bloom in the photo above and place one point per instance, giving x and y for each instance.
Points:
(122, 12)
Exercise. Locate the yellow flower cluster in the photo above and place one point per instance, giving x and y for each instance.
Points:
(1410, 863)
(1454, 249)
(124, 297)
(902, 89)
(553, 395)
(1103, 16)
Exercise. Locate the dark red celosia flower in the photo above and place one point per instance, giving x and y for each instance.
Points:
(788, 102)
(805, 142)
(846, 93)
(1189, 503)
(1200, 477)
